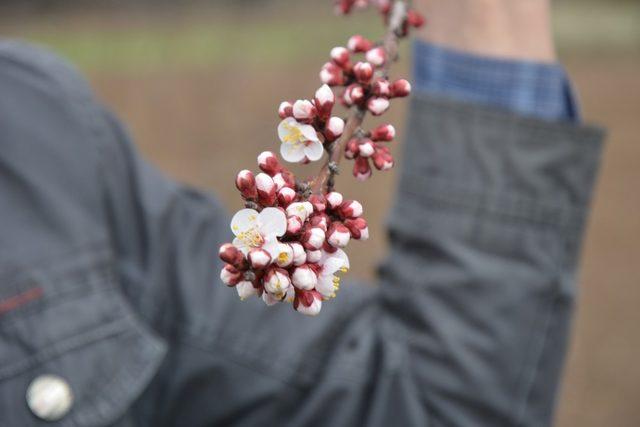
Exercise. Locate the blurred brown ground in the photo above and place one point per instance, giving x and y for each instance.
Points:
(203, 122)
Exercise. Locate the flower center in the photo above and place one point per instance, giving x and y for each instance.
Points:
(283, 257)
(294, 135)
(251, 238)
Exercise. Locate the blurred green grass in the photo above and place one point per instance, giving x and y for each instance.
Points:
(210, 37)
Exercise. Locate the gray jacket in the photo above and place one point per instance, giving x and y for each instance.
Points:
(109, 277)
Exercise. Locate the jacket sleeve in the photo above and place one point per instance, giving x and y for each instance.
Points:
(468, 326)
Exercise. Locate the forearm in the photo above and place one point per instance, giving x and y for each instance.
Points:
(516, 29)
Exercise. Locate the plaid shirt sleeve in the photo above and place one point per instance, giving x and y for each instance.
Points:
(535, 89)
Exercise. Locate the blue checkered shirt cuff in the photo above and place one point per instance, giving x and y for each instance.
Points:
(529, 88)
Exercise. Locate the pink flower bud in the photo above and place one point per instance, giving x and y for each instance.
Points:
(366, 148)
(266, 189)
(300, 209)
(268, 163)
(308, 303)
(352, 149)
(384, 6)
(334, 128)
(320, 220)
(294, 225)
(401, 88)
(259, 258)
(313, 238)
(358, 228)
(276, 281)
(231, 255)
(286, 196)
(313, 256)
(382, 87)
(382, 160)
(246, 289)
(340, 56)
(230, 276)
(338, 235)
(415, 19)
(285, 255)
(378, 106)
(304, 111)
(354, 94)
(377, 56)
(363, 72)
(383, 133)
(304, 277)
(284, 179)
(299, 254)
(331, 74)
(359, 44)
(246, 183)
(324, 101)
(361, 169)
(350, 209)
(334, 199)
(285, 110)
(319, 202)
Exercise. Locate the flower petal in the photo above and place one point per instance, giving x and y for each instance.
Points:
(273, 247)
(284, 127)
(325, 285)
(272, 221)
(313, 150)
(334, 262)
(241, 246)
(244, 220)
(309, 132)
(292, 152)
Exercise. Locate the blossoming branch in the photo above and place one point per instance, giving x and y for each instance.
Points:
(290, 237)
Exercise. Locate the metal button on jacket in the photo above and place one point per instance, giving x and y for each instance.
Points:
(49, 397)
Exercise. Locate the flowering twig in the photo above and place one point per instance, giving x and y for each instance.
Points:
(291, 235)
(326, 176)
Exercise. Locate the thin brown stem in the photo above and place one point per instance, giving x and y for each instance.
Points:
(324, 180)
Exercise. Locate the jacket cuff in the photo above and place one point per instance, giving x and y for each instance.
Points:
(486, 162)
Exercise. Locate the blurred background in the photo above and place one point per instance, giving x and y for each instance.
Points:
(198, 83)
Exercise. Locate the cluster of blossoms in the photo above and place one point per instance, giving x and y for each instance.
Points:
(289, 238)
(292, 250)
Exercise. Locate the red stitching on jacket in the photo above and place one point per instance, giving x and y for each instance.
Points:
(20, 299)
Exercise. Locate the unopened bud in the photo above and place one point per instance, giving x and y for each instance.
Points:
(361, 169)
(299, 254)
(230, 276)
(285, 110)
(286, 196)
(294, 225)
(334, 199)
(377, 56)
(415, 19)
(285, 255)
(231, 255)
(319, 202)
(378, 106)
(340, 56)
(354, 94)
(308, 303)
(304, 111)
(268, 163)
(383, 133)
(266, 189)
(304, 277)
(358, 43)
(334, 128)
(276, 281)
(313, 238)
(358, 228)
(352, 149)
(259, 258)
(338, 235)
(382, 87)
(366, 148)
(246, 184)
(401, 88)
(363, 72)
(382, 160)
(350, 209)
(331, 74)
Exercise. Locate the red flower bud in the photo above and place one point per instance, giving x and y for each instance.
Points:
(286, 196)
(358, 43)
(366, 148)
(266, 189)
(376, 56)
(352, 149)
(354, 94)
(382, 160)
(358, 228)
(383, 133)
(320, 220)
(361, 169)
(334, 128)
(285, 110)
(415, 19)
(259, 258)
(268, 163)
(331, 74)
(363, 72)
(382, 87)
(350, 209)
(319, 202)
(246, 183)
(230, 275)
(340, 56)
(304, 111)
(232, 255)
(324, 101)
(313, 238)
(377, 106)
(294, 225)
(338, 235)
(401, 88)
